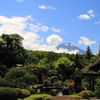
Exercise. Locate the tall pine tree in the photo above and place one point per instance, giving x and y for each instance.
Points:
(88, 53)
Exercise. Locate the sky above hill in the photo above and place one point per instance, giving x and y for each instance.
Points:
(44, 24)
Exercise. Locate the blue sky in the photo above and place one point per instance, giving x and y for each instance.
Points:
(44, 24)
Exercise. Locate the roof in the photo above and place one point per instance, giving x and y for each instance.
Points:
(93, 69)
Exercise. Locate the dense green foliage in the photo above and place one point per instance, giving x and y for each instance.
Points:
(85, 94)
(7, 93)
(97, 89)
(18, 77)
(11, 50)
(22, 93)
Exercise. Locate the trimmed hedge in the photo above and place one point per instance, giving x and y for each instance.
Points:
(25, 93)
(85, 94)
(39, 97)
(22, 93)
(7, 93)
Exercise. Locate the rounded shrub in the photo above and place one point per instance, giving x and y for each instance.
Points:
(25, 93)
(85, 94)
(19, 91)
(7, 93)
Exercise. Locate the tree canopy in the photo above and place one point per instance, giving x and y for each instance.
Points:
(19, 77)
(11, 49)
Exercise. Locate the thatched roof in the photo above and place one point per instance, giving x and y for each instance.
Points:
(93, 69)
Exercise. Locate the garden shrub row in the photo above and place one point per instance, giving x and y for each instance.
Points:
(22, 93)
(85, 94)
(7, 93)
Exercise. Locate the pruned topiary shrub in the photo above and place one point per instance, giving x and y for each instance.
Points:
(39, 97)
(85, 94)
(25, 93)
(20, 94)
(7, 93)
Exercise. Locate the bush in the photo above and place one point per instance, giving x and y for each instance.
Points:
(7, 93)
(20, 94)
(25, 93)
(85, 94)
(97, 91)
(39, 97)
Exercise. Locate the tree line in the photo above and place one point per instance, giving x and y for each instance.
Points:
(49, 68)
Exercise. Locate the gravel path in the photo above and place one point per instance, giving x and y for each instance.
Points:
(65, 98)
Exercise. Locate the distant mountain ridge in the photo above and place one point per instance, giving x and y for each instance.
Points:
(70, 47)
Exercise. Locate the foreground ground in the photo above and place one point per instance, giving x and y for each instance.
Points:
(64, 98)
(70, 98)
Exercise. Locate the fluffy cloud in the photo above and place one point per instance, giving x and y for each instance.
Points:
(12, 25)
(84, 16)
(54, 39)
(91, 12)
(30, 39)
(55, 30)
(86, 41)
(46, 7)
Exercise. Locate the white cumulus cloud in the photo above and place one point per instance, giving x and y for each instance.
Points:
(86, 41)
(89, 15)
(12, 25)
(54, 39)
(91, 12)
(84, 16)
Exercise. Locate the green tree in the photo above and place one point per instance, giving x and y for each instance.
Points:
(11, 50)
(64, 67)
(43, 62)
(39, 71)
(3, 70)
(88, 53)
(18, 77)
